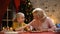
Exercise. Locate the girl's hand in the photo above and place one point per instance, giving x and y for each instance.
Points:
(18, 29)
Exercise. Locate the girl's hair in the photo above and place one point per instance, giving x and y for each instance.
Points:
(16, 16)
(38, 11)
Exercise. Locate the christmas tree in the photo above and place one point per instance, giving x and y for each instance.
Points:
(26, 8)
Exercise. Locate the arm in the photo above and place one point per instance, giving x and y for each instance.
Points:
(27, 25)
(52, 25)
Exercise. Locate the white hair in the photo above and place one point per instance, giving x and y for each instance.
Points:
(38, 10)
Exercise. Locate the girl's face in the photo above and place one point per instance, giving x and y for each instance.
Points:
(20, 19)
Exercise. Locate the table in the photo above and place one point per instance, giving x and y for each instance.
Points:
(39, 33)
(30, 32)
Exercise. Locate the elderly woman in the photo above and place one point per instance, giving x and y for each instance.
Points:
(41, 22)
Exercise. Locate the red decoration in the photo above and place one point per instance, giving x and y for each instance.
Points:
(17, 4)
(3, 7)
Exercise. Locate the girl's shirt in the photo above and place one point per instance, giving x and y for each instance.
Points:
(18, 25)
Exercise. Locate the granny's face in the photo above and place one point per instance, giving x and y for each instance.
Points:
(20, 19)
(41, 14)
(38, 16)
(35, 16)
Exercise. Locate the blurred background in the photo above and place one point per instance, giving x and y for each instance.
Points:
(10, 7)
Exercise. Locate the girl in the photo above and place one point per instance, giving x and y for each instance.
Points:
(18, 22)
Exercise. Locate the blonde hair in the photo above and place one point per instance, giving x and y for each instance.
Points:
(38, 11)
(16, 16)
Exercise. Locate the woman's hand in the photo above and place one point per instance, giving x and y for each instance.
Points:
(47, 30)
(50, 30)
